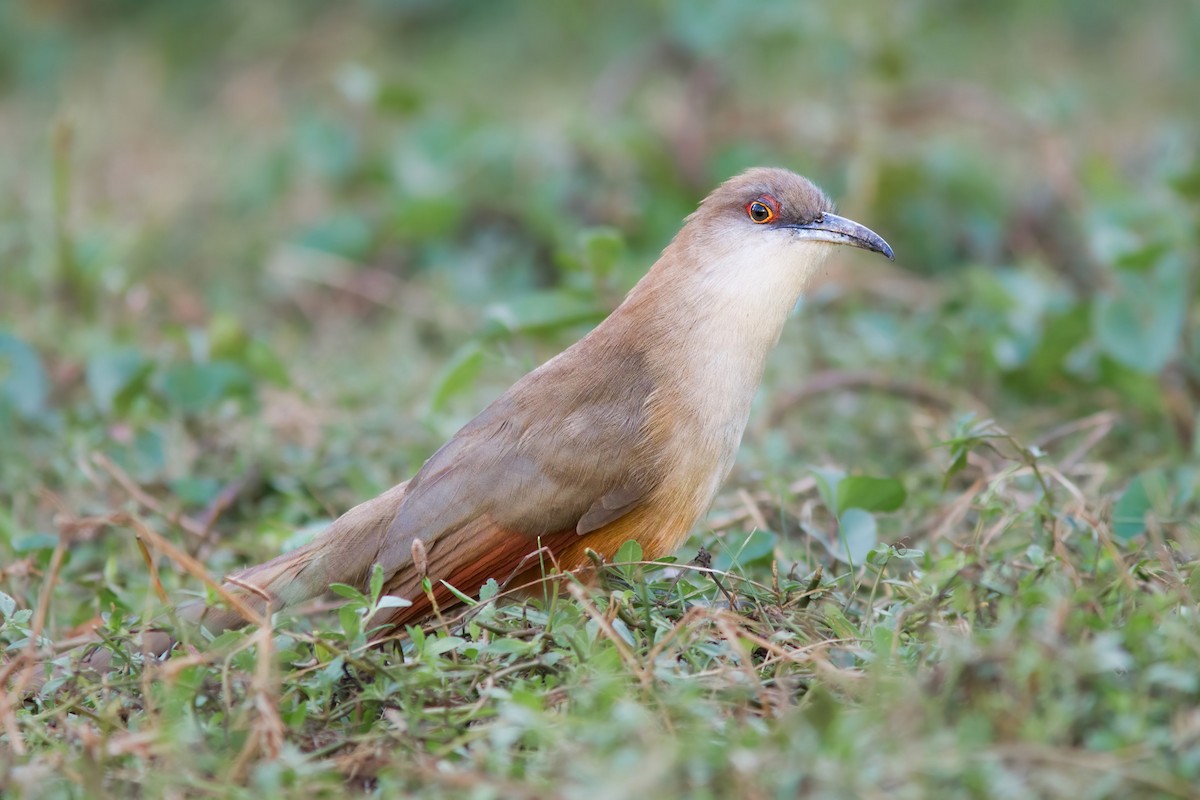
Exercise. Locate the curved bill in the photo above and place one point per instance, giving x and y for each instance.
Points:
(839, 230)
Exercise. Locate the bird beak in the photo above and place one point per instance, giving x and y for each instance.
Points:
(839, 230)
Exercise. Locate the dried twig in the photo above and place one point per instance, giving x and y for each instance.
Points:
(267, 731)
(1098, 425)
(192, 567)
(225, 498)
(27, 661)
(145, 500)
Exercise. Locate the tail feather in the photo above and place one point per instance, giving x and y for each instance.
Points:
(466, 559)
(343, 553)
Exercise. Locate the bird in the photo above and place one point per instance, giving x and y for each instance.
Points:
(626, 435)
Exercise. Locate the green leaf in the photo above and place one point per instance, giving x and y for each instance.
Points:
(145, 457)
(376, 582)
(1141, 326)
(193, 388)
(827, 483)
(462, 596)
(347, 235)
(392, 601)
(602, 247)
(457, 375)
(841, 625)
(1187, 183)
(622, 630)
(445, 644)
(195, 490)
(7, 605)
(505, 647)
(857, 536)
(417, 634)
(1129, 512)
(351, 622)
(112, 375)
(870, 494)
(956, 466)
(264, 363)
(326, 147)
(334, 671)
(427, 218)
(758, 548)
(34, 542)
(23, 383)
(629, 552)
(821, 709)
(349, 592)
(542, 312)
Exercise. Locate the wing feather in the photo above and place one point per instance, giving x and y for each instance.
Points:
(565, 449)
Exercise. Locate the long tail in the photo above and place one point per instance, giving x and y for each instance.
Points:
(343, 553)
(346, 551)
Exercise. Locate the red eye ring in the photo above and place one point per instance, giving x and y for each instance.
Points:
(760, 211)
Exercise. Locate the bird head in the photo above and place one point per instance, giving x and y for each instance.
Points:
(778, 206)
(756, 240)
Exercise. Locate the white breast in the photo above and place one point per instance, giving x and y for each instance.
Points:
(717, 345)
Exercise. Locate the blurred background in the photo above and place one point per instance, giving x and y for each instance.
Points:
(291, 247)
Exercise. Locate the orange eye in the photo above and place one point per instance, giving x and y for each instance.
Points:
(760, 211)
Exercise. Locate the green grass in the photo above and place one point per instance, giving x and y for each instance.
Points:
(257, 263)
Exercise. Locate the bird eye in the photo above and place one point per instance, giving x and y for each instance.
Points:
(760, 211)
